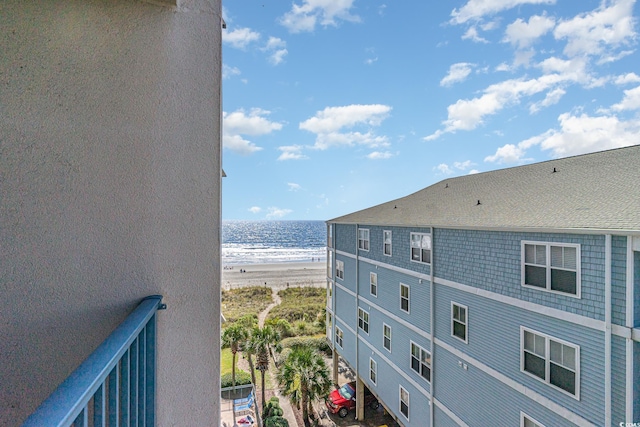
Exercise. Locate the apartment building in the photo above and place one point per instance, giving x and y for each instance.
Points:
(505, 298)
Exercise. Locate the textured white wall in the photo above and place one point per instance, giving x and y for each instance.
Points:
(109, 191)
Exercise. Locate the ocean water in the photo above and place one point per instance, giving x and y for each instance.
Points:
(256, 242)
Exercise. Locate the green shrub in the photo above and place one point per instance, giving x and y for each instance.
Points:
(242, 378)
(318, 342)
(272, 409)
(276, 422)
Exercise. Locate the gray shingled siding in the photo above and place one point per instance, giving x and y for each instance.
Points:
(494, 339)
(346, 238)
(618, 380)
(492, 261)
(619, 280)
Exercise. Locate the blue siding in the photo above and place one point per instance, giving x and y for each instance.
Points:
(618, 378)
(491, 260)
(636, 288)
(494, 339)
(346, 238)
(389, 294)
(345, 307)
(619, 279)
(350, 280)
(348, 350)
(481, 400)
(441, 419)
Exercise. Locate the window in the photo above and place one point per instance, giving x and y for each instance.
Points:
(329, 235)
(404, 297)
(552, 267)
(386, 237)
(373, 284)
(551, 360)
(386, 336)
(329, 292)
(329, 263)
(527, 421)
(404, 402)
(340, 269)
(373, 370)
(329, 326)
(421, 247)
(421, 361)
(459, 321)
(339, 337)
(363, 320)
(363, 239)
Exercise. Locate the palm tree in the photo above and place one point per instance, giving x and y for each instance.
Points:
(260, 343)
(304, 377)
(233, 337)
(249, 322)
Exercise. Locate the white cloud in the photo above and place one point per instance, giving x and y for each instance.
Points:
(329, 123)
(240, 38)
(228, 71)
(293, 186)
(291, 152)
(631, 100)
(444, 169)
(255, 209)
(276, 48)
(370, 61)
(523, 34)
(577, 135)
(463, 165)
(380, 155)
(592, 33)
(472, 34)
(475, 10)
(473, 171)
(304, 17)
(457, 73)
(240, 123)
(624, 79)
(274, 212)
(552, 97)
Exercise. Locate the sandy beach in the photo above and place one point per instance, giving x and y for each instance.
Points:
(277, 275)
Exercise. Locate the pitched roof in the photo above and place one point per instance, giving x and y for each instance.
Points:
(598, 191)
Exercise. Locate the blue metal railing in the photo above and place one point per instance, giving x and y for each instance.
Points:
(115, 385)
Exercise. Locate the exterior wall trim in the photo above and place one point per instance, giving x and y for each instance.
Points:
(629, 323)
(607, 331)
(347, 254)
(535, 396)
(450, 414)
(397, 319)
(346, 325)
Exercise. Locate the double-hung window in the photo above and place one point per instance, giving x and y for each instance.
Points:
(551, 360)
(552, 267)
(404, 402)
(404, 297)
(421, 247)
(339, 336)
(386, 336)
(386, 238)
(421, 361)
(373, 284)
(527, 421)
(373, 370)
(340, 269)
(363, 239)
(459, 321)
(363, 320)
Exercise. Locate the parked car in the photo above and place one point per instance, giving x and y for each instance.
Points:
(343, 399)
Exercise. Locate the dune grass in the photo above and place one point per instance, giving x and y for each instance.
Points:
(242, 301)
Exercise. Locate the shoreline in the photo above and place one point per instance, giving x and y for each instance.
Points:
(275, 275)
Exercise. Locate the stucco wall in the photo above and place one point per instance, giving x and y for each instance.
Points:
(109, 191)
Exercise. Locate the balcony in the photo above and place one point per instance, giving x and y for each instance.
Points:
(116, 384)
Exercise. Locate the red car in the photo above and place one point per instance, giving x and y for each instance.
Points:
(343, 399)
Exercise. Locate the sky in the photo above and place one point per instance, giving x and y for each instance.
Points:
(332, 106)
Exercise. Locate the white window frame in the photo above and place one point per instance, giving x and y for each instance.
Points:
(465, 323)
(400, 402)
(362, 323)
(330, 325)
(524, 416)
(421, 350)
(339, 337)
(411, 247)
(329, 263)
(329, 293)
(548, 267)
(373, 371)
(408, 298)
(547, 360)
(364, 240)
(384, 242)
(373, 284)
(384, 337)
(340, 269)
